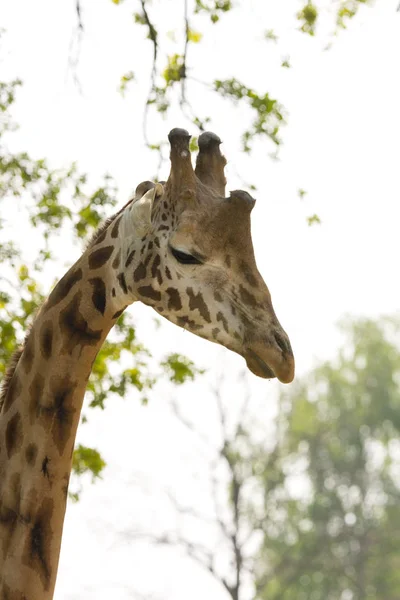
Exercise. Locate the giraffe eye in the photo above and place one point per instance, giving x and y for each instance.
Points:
(185, 259)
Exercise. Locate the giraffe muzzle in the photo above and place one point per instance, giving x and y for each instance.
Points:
(272, 358)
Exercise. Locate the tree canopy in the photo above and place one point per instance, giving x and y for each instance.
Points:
(331, 524)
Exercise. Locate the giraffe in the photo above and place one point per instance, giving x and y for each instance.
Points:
(180, 247)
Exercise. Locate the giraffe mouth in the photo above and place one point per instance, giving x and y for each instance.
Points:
(258, 366)
(275, 362)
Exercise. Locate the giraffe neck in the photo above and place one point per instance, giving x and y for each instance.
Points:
(40, 415)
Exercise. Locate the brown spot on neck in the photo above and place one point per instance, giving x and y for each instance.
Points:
(14, 434)
(28, 353)
(31, 454)
(9, 512)
(98, 294)
(116, 262)
(99, 257)
(36, 391)
(63, 287)
(122, 282)
(46, 339)
(37, 549)
(140, 272)
(115, 227)
(75, 329)
(130, 258)
(56, 409)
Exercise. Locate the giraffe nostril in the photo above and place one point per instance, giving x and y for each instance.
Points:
(283, 343)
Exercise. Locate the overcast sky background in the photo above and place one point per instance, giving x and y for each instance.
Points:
(342, 145)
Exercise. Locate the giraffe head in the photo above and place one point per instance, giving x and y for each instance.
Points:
(192, 259)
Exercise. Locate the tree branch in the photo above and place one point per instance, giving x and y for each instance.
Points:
(75, 46)
(196, 552)
(79, 14)
(153, 36)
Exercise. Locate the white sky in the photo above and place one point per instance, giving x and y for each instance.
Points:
(342, 145)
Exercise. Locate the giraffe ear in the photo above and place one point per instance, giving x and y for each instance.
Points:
(142, 188)
(141, 209)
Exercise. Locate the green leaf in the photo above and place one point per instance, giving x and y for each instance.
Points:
(180, 369)
(125, 79)
(308, 16)
(270, 35)
(87, 460)
(174, 70)
(194, 36)
(313, 220)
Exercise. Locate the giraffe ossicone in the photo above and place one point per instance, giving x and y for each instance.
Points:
(179, 246)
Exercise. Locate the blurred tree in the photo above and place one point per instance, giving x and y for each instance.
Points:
(331, 527)
(61, 203)
(223, 514)
(312, 511)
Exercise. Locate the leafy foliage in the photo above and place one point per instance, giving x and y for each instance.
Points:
(180, 368)
(86, 460)
(347, 10)
(213, 8)
(308, 17)
(53, 202)
(313, 220)
(171, 76)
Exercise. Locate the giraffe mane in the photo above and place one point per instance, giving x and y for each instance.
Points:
(8, 375)
(101, 228)
(104, 226)
(12, 364)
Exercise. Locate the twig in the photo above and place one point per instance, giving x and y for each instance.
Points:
(153, 36)
(198, 553)
(185, 51)
(75, 47)
(188, 511)
(178, 414)
(245, 404)
(79, 14)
